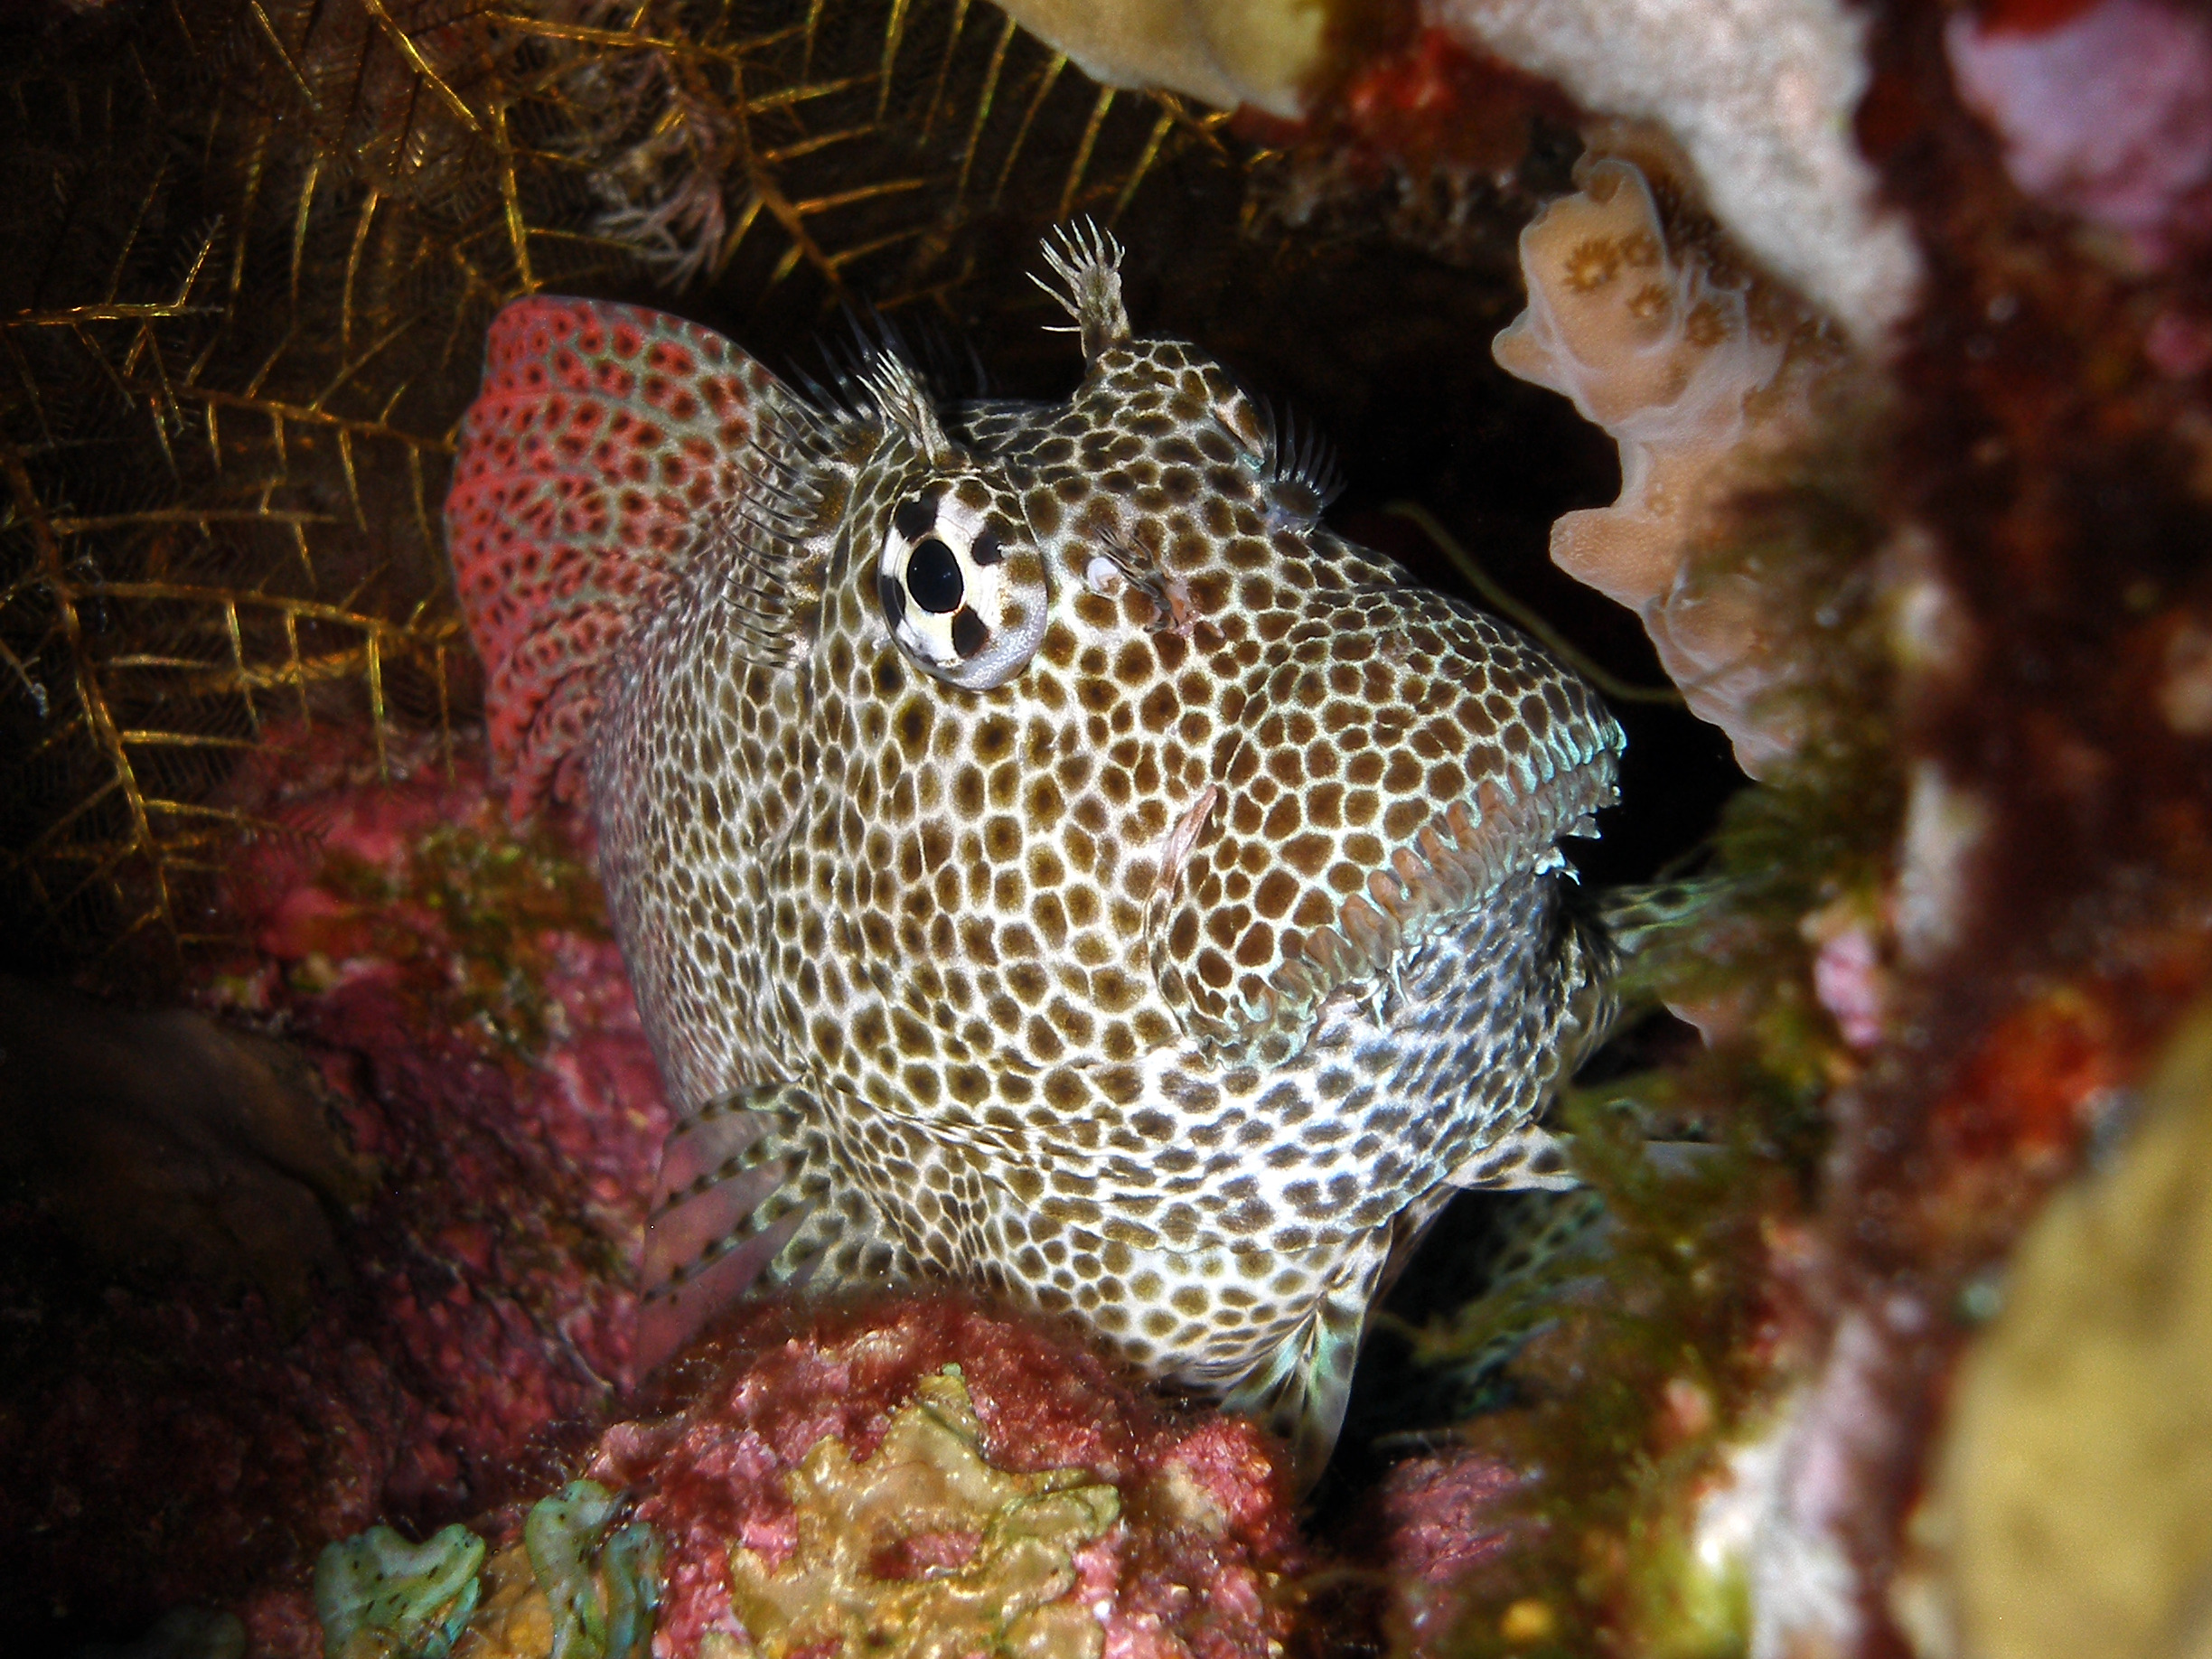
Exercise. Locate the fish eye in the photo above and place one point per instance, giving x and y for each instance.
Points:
(933, 577)
(962, 593)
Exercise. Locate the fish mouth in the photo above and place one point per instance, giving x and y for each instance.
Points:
(1430, 883)
(1453, 863)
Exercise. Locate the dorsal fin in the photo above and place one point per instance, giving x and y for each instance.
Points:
(607, 444)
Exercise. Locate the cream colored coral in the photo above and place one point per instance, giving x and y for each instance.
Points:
(1759, 94)
(2072, 1505)
(927, 1476)
(1267, 53)
(1698, 373)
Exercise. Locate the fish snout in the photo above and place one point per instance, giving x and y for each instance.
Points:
(1397, 758)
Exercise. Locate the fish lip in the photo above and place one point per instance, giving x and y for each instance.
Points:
(1427, 884)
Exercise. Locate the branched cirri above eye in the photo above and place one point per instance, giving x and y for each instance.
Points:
(962, 593)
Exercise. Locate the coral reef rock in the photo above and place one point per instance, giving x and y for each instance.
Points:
(825, 1493)
(1760, 95)
(1701, 372)
(181, 1633)
(166, 1142)
(916, 1477)
(388, 1254)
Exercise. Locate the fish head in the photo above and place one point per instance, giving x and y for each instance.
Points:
(1141, 757)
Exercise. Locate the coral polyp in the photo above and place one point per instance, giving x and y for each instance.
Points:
(1706, 375)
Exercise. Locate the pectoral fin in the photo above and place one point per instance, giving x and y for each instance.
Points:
(726, 1202)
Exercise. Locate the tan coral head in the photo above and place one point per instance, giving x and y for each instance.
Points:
(1702, 373)
(1270, 54)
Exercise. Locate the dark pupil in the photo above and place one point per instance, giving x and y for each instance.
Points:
(933, 577)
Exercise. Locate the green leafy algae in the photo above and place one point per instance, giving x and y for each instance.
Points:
(631, 1565)
(585, 1594)
(563, 1535)
(379, 1596)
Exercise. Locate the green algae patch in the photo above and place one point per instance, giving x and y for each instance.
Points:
(379, 1596)
(570, 1591)
(471, 912)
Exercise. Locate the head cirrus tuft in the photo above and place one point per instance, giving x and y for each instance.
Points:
(594, 455)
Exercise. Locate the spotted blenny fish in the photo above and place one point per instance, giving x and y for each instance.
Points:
(1046, 857)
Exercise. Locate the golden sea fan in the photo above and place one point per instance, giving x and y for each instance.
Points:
(243, 303)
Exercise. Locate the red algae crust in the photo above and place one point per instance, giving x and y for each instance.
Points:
(458, 985)
(1447, 1525)
(453, 991)
(1193, 1567)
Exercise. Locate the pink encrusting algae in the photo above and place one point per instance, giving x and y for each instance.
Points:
(469, 1019)
(1191, 1568)
(465, 979)
(1441, 1524)
(2107, 114)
